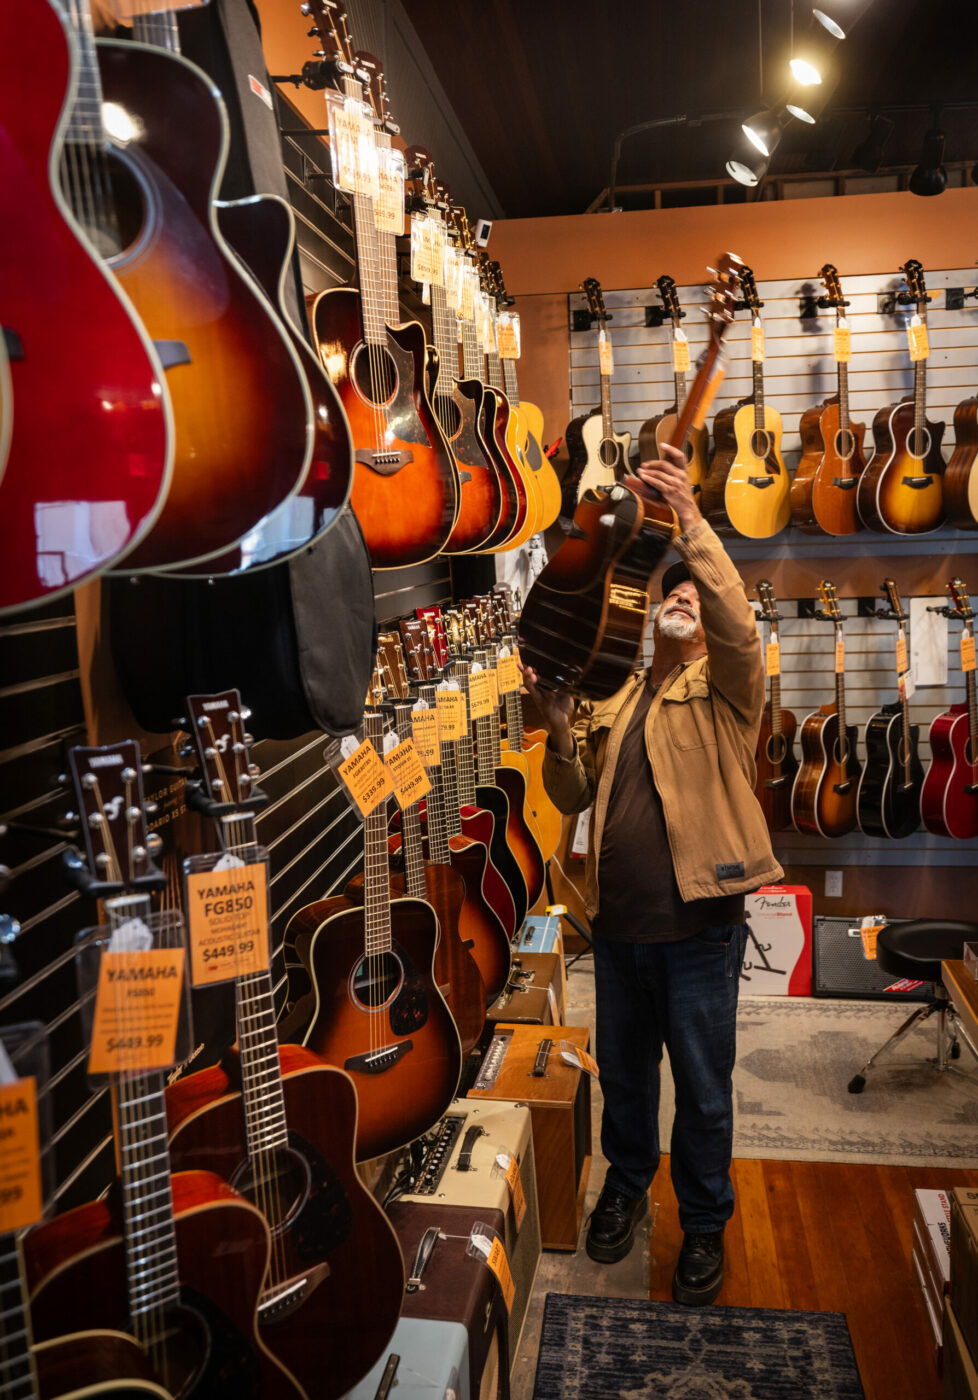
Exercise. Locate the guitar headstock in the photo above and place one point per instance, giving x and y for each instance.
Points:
(591, 288)
(830, 601)
(329, 25)
(748, 289)
(418, 655)
(119, 850)
(390, 657)
(670, 299)
(960, 598)
(217, 727)
(371, 72)
(913, 271)
(833, 288)
(769, 604)
(435, 636)
(897, 609)
(723, 288)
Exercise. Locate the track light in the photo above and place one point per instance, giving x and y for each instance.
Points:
(806, 70)
(828, 21)
(868, 155)
(838, 17)
(763, 129)
(747, 166)
(930, 177)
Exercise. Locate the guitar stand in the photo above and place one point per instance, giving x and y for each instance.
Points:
(762, 952)
(574, 922)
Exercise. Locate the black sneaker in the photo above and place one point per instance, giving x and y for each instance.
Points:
(611, 1226)
(699, 1273)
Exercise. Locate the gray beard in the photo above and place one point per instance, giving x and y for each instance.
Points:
(677, 628)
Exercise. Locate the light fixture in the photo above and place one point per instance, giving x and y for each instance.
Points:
(839, 17)
(805, 71)
(868, 155)
(829, 22)
(763, 129)
(747, 167)
(930, 177)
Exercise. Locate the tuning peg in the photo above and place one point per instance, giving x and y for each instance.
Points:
(62, 780)
(102, 859)
(9, 928)
(179, 723)
(187, 750)
(128, 775)
(154, 844)
(305, 9)
(245, 712)
(134, 813)
(253, 770)
(150, 809)
(69, 820)
(95, 820)
(249, 740)
(139, 853)
(210, 751)
(234, 716)
(312, 33)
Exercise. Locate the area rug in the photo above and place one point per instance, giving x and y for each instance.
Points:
(631, 1349)
(795, 1057)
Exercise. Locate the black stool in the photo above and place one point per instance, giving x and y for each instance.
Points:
(916, 950)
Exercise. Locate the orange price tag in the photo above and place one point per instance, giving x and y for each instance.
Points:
(515, 1183)
(424, 731)
(902, 663)
(494, 686)
(605, 362)
(967, 651)
(499, 1264)
(840, 654)
(452, 719)
(389, 204)
(842, 345)
(917, 339)
(507, 675)
(20, 1156)
(574, 1055)
(680, 352)
(869, 935)
(365, 777)
(480, 695)
(137, 1005)
(757, 343)
(407, 774)
(227, 911)
(773, 658)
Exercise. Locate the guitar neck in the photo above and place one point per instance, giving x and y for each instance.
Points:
(369, 258)
(159, 29)
(607, 426)
(376, 865)
(758, 369)
(776, 717)
(679, 379)
(509, 379)
(972, 705)
(464, 755)
(840, 690)
(843, 380)
(919, 399)
(514, 721)
(494, 373)
(85, 125)
(18, 1370)
(471, 359)
(411, 838)
(387, 258)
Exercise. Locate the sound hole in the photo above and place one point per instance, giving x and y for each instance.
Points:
(105, 197)
(608, 452)
(845, 444)
(449, 416)
(176, 1347)
(688, 449)
(377, 980)
(760, 443)
(918, 443)
(374, 375)
(776, 748)
(277, 1182)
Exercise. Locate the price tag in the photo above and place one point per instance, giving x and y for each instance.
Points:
(493, 686)
(407, 774)
(757, 343)
(967, 652)
(605, 362)
(137, 1005)
(21, 1202)
(499, 1264)
(840, 653)
(420, 249)
(508, 335)
(365, 777)
(353, 150)
(773, 658)
(389, 204)
(467, 293)
(842, 344)
(580, 1059)
(480, 694)
(424, 731)
(453, 277)
(514, 1181)
(907, 685)
(227, 912)
(488, 327)
(452, 719)
(507, 675)
(902, 663)
(869, 933)
(680, 351)
(435, 234)
(917, 339)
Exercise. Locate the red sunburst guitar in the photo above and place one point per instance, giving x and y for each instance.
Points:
(949, 799)
(776, 762)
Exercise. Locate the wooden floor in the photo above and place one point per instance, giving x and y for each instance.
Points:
(829, 1237)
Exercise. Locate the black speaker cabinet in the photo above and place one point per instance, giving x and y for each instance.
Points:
(840, 968)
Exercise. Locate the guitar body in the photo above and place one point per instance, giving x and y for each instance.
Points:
(823, 490)
(504, 844)
(317, 1208)
(212, 1347)
(541, 814)
(242, 411)
(531, 420)
(516, 439)
(773, 788)
(946, 805)
(885, 805)
(659, 430)
(755, 495)
(520, 835)
(487, 912)
(961, 472)
(516, 497)
(385, 1022)
(480, 492)
(712, 501)
(901, 491)
(577, 461)
(606, 458)
(91, 1365)
(82, 485)
(817, 806)
(405, 485)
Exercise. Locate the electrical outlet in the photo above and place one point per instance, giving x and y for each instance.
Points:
(833, 884)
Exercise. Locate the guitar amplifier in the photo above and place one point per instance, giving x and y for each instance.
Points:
(533, 994)
(426, 1360)
(840, 968)
(525, 1063)
(542, 933)
(465, 1176)
(446, 1283)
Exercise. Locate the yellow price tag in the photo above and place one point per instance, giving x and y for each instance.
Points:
(137, 1005)
(494, 686)
(21, 1203)
(499, 1264)
(605, 362)
(452, 719)
(424, 731)
(507, 675)
(773, 658)
(842, 345)
(480, 695)
(407, 774)
(680, 352)
(515, 1183)
(967, 651)
(757, 343)
(917, 339)
(227, 912)
(902, 663)
(840, 654)
(869, 936)
(365, 777)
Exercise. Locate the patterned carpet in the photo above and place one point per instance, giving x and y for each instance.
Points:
(630, 1349)
(795, 1057)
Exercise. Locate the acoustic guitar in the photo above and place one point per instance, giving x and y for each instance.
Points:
(949, 798)
(158, 1245)
(529, 757)
(749, 493)
(961, 472)
(823, 491)
(776, 761)
(81, 484)
(901, 490)
(888, 801)
(655, 431)
(598, 455)
(823, 799)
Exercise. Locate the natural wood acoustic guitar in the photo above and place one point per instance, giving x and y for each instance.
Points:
(961, 472)
(655, 431)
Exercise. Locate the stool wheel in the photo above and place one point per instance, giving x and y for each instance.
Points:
(857, 1084)
(955, 1051)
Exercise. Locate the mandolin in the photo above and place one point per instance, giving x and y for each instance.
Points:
(961, 472)
(655, 431)
(599, 455)
(823, 798)
(888, 801)
(582, 624)
(749, 492)
(949, 799)
(776, 762)
(405, 485)
(88, 445)
(823, 491)
(158, 1245)
(901, 490)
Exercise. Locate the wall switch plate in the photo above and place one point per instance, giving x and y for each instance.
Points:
(833, 884)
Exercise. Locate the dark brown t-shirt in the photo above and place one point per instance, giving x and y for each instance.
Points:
(638, 898)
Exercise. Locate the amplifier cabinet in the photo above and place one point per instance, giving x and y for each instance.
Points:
(542, 933)
(559, 1096)
(426, 1360)
(534, 994)
(485, 1128)
(841, 969)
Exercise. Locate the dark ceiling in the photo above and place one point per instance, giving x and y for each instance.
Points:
(541, 87)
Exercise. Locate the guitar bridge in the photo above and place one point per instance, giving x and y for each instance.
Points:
(917, 483)
(377, 1061)
(775, 783)
(286, 1297)
(760, 481)
(843, 788)
(384, 463)
(845, 483)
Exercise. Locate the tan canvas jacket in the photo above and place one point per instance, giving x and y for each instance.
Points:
(700, 736)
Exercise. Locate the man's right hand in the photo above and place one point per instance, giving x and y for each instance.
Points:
(555, 708)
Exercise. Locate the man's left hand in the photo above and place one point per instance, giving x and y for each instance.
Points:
(671, 479)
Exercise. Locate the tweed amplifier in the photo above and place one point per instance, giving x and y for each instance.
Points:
(841, 969)
(534, 992)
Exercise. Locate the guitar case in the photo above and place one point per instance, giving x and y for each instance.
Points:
(298, 639)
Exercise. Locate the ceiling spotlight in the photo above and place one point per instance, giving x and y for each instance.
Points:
(802, 113)
(828, 22)
(868, 155)
(747, 167)
(763, 129)
(839, 17)
(930, 177)
(804, 71)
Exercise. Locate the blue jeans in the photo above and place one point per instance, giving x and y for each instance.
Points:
(684, 996)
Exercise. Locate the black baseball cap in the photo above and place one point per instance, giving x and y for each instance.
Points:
(675, 575)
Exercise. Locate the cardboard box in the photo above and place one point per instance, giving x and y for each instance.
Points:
(960, 1372)
(931, 1207)
(970, 958)
(778, 961)
(938, 1276)
(964, 1262)
(932, 1314)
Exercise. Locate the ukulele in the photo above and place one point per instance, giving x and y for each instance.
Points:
(159, 1246)
(901, 489)
(776, 762)
(961, 472)
(378, 1012)
(599, 455)
(823, 492)
(81, 485)
(582, 624)
(405, 485)
(949, 798)
(655, 431)
(823, 799)
(750, 495)
(888, 801)
(280, 1126)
